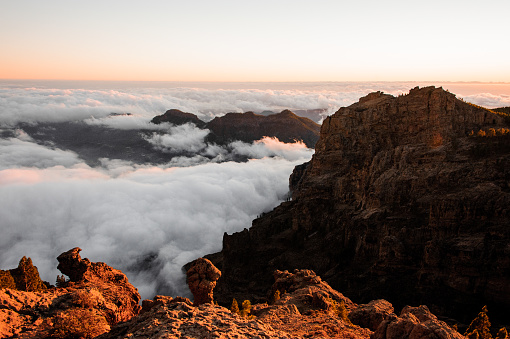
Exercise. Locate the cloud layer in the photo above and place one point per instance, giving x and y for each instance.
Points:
(146, 220)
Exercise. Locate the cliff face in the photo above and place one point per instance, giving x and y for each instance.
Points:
(398, 202)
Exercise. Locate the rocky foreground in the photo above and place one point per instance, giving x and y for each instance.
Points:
(98, 301)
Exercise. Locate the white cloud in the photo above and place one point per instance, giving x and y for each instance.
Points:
(488, 100)
(21, 151)
(180, 138)
(124, 214)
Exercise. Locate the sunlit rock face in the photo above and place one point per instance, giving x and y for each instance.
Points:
(95, 298)
(399, 202)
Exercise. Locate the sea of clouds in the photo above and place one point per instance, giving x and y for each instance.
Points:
(148, 219)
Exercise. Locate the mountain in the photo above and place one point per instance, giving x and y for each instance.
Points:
(248, 127)
(177, 117)
(407, 198)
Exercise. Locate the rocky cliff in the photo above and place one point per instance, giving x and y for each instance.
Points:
(406, 198)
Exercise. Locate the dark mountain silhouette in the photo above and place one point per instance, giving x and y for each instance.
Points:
(248, 127)
(177, 117)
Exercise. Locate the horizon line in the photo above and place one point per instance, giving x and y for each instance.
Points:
(266, 81)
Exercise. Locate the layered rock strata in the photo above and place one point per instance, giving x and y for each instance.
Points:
(406, 198)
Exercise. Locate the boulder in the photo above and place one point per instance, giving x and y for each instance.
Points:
(415, 323)
(371, 315)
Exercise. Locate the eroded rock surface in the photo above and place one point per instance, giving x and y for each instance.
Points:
(415, 323)
(371, 315)
(201, 278)
(96, 298)
(305, 310)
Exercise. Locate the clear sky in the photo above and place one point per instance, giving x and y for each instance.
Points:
(263, 40)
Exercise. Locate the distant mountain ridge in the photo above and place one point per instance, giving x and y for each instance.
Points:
(248, 127)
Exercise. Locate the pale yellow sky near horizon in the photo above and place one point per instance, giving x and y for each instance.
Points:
(257, 41)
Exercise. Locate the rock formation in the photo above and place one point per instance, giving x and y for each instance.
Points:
(305, 310)
(414, 323)
(201, 279)
(96, 297)
(97, 304)
(402, 200)
(371, 315)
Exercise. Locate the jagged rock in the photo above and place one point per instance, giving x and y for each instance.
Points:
(415, 323)
(399, 202)
(72, 265)
(201, 279)
(371, 315)
(306, 289)
(97, 298)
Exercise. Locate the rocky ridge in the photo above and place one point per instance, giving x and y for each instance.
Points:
(404, 199)
(248, 127)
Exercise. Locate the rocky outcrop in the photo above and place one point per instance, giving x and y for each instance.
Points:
(415, 323)
(178, 117)
(308, 309)
(371, 315)
(400, 201)
(201, 279)
(96, 298)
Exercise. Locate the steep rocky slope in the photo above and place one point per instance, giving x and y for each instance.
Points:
(402, 200)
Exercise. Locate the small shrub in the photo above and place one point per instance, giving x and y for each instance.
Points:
(502, 334)
(235, 307)
(246, 305)
(78, 323)
(340, 310)
(276, 297)
(480, 326)
(61, 281)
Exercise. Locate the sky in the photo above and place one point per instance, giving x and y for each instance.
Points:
(166, 40)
